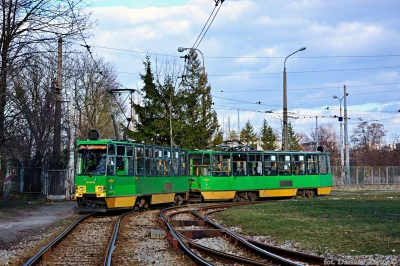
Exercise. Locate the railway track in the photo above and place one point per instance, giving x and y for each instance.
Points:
(208, 243)
(90, 240)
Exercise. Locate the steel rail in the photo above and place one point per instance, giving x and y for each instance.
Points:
(184, 241)
(111, 245)
(271, 256)
(37, 257)
(303, 257)
(180, 241)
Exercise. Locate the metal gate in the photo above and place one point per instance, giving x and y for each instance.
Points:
(56, 184)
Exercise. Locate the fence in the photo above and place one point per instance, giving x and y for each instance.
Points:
(368, 175)
(36, 180)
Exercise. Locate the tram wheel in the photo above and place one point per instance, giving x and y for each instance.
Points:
(310, 194)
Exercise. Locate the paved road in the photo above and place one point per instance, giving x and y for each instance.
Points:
(16, 227)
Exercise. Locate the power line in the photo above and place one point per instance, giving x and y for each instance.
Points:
(240, 57)
(221, 1)
(204, 27)
(315, 88)
(292, 72)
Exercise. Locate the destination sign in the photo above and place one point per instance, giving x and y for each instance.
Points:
(92, 147)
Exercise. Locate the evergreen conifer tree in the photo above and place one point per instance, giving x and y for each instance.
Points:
(157, 116)
(200, 119)
(248, 136)
(268, 137)
(293, 141)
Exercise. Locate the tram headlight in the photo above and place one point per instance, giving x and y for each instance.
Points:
(100, 189)
(81, 189)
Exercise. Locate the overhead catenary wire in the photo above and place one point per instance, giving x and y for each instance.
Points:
(145, 51)
(221, 2)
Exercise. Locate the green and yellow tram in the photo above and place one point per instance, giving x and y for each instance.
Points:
(249, 175)
(121, 174)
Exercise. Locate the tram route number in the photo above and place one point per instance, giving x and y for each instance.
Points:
(90, 182)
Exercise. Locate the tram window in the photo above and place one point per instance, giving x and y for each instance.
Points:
(149, 158)
(167, 162)
(312, 164)
(270, 165)
(299, 164)
(255, 164)
(284, 164)
(195, 164)
(322, 164)
(175, 162)
(239, 164)
(139, 160)
(111, 165)
(221, 165)
(111, 149)
(183, 169)
(328, 160)
(130, 160)
(120, 162)
(206, 165)
(158, 162)
(91, 159)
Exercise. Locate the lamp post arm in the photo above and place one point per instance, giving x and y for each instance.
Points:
(284, 64)
(202, 56)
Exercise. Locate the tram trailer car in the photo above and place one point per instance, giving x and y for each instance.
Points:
(248, 176)
(119, 175)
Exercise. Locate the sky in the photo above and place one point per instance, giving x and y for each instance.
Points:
(348, 42)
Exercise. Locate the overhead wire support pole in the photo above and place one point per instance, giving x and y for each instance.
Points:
(347, 169)
(57, 86)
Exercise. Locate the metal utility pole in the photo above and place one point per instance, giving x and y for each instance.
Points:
(316, 131)
(57, 90)
(285, 115)
(347, 168)
(229, 127)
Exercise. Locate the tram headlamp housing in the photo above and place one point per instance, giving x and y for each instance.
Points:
(100, 189)
(81, 189)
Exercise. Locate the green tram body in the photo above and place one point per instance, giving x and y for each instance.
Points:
(119, 174)
(218, 175)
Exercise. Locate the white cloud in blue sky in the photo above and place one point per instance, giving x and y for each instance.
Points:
(269, 28)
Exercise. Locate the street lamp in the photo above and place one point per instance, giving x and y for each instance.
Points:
(181, 49)
(285, 116)
(341, 131)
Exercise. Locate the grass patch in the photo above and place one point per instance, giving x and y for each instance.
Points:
(347, 224)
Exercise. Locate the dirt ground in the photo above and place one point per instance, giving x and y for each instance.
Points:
(16, 225)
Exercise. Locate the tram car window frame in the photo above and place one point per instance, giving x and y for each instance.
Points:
(175, 162)
(284, 164)
(299, 164)
(167, 162)
(183, 159)
(222, 166)
(323, 167)
(111, 160)
(312, 164)
(255, 164)
(195, 162)
(139, 157)
(239, 163)
(270, 164)
(130, 160)
(158, 162)
(120, 162)
(148, 161)
(206, 165)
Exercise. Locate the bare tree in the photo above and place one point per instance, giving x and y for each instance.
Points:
(27, 26)
(368, 136)
(328, 139)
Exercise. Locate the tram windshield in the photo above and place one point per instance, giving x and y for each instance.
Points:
(92, 159)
